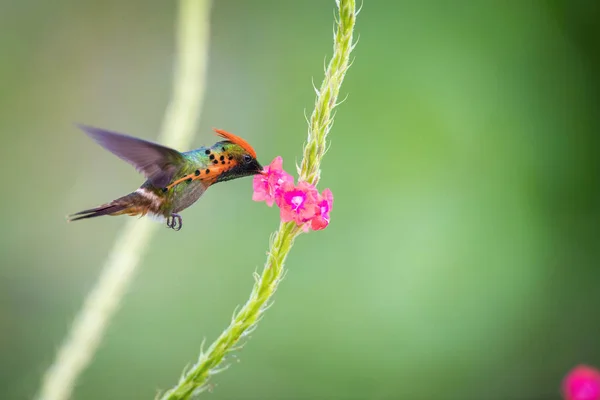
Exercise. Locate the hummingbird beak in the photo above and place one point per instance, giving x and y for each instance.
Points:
(259, 168)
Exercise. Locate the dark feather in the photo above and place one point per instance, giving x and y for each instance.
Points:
(106, 209)
(158, 163)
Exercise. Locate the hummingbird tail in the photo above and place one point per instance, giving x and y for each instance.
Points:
(106, 209)
(139, 202)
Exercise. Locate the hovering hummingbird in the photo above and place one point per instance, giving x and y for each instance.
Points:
(174, 180)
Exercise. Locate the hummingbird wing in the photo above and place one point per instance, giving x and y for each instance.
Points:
(158, 163)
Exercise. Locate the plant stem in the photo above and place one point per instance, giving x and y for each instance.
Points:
(321, 119)
(179, 124)
(245, 320)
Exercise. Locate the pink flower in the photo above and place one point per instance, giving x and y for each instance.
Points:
(582, 383)
(297, 203)
(324, 204)
(302, 203)
(267, 184)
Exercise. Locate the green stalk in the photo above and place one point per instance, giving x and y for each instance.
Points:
(102, 302)
(245, 320)
(321, 119)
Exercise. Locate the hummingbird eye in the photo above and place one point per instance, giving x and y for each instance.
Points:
(247, 159)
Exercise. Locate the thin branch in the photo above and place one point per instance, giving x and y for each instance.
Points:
(245, 320)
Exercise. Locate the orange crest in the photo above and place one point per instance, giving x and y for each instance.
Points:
(237, 140)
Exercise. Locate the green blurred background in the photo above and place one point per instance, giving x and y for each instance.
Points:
(461, 261)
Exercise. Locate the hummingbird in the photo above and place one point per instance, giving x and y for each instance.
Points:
(174, 180)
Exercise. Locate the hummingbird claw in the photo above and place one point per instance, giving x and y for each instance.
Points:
(174, 222)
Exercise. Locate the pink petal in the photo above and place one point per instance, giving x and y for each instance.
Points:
(266, 185)
(320, 219)
(280, 193)
(258, 183)
(309, 190)
(258, 196)
(328, 196)
(297, 203)
(276, 164)
(286, 215)
(319, 223)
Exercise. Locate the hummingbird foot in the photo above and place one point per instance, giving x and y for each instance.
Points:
(174, 222)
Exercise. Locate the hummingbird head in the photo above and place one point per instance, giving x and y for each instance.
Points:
(240, 158)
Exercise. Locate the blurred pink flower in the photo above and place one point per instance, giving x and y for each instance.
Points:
(324, 204)
(267, 184)
(297, 203)
(582, 383)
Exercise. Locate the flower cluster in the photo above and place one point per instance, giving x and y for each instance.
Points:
(582, 383)
(300, 203)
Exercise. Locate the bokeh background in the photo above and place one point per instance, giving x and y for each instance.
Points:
(461, 261)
